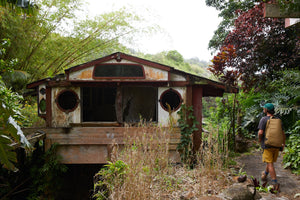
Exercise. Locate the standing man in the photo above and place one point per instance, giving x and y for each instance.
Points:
(270, 154)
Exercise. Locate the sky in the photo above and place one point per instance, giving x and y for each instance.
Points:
(186, 25)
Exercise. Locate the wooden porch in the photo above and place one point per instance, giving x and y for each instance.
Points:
(94, 145)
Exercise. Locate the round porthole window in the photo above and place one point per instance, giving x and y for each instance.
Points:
(67, 100)
(42, 91)
(170, 99)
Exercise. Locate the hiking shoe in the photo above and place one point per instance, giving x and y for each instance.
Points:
(264, 176)
(275, 188)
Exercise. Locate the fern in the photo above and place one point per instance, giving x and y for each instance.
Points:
(7, 156)
(283, 110)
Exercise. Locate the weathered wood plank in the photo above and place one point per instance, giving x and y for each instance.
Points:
(83, 145)
(274, 11)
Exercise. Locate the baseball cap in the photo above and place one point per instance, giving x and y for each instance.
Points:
(269, 106)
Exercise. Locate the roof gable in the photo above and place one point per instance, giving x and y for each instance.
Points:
(118, 56)
(152, 72)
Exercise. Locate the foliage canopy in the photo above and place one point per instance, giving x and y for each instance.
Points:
(256, 49)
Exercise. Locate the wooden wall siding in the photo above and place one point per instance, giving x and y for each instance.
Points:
(93, 145)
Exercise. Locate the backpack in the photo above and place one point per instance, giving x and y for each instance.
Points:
(273, 133)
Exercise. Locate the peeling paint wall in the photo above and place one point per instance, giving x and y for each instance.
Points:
(85, 74)
(155, 74)
(59, 117)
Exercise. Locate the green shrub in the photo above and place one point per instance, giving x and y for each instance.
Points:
(111, 176)
(291, 156)
(31, 118)
(47, 174)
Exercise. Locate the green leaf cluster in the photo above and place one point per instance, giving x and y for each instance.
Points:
(111, 175)
(9, 111)
(283, 92)
(291, 156)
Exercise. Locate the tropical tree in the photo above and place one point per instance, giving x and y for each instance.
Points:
(53, 37)
(10, 131)
(227, 10)
(256, 49)
(260, 55)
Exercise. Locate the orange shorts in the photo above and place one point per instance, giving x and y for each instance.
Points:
(270, 155)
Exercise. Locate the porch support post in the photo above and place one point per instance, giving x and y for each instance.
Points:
(197, 106)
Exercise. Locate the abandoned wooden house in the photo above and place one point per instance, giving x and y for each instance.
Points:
(87, 107)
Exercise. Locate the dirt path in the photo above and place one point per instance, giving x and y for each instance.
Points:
(253, 165)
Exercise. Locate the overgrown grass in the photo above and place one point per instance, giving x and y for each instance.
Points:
(142, 169)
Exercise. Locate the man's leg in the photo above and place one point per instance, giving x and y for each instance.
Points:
(269, 157)
(264, 174)
(270, 168)
(267, 169)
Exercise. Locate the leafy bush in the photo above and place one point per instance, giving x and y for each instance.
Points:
(283, 92)
(111, 176)
(46, 175)
(31, 118)
(223, 118)
(10, 131)
(291, 156)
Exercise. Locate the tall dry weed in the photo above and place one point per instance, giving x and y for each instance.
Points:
(150, 175)
(213, 153)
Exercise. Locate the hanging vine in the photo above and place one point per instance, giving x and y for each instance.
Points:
(188, 125)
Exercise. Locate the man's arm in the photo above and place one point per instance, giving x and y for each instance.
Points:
(260, 134)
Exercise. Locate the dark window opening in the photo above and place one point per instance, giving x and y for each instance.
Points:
(139, 103)
(170, 100)
(119, 71)
(122, 104)
(99, 104)
(67, 100)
